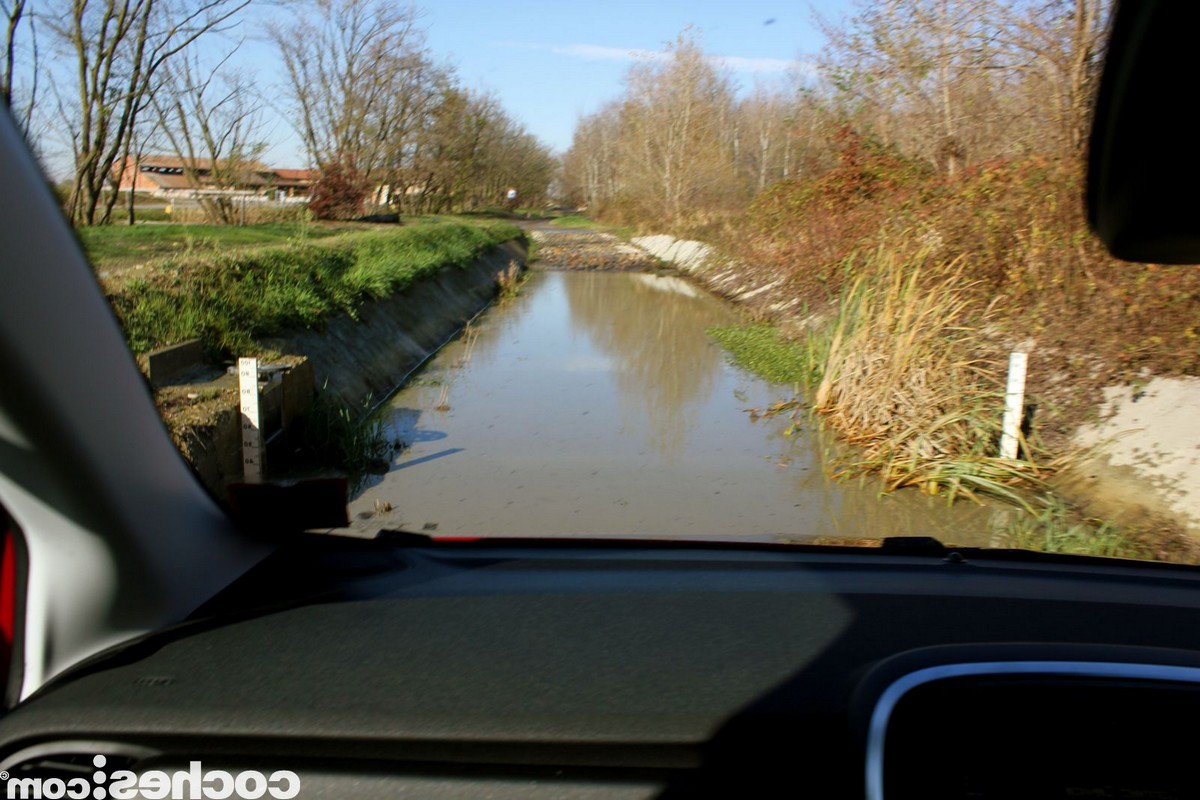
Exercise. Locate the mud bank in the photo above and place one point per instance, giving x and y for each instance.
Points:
(358, 361)
(1143, 460)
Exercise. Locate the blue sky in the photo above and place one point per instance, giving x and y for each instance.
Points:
(551, 62)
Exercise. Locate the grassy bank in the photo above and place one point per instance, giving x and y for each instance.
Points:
(228, 297)
(577, 221)
(231, 286)
(116, 246)
(1009, 240)
(921, 285)
(949, 450)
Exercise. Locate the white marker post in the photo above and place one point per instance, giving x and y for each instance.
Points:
(1014, 404)
(251, 432)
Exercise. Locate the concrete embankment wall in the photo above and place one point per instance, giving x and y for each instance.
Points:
(717, 274)
(358, 361)
(361, 361)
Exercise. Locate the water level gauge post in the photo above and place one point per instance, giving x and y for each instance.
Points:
(252, 456)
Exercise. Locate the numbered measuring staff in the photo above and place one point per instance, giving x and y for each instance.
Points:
(252, 461)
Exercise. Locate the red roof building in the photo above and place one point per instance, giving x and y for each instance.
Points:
(171, 176)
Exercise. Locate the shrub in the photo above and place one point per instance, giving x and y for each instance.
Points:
(339, 192)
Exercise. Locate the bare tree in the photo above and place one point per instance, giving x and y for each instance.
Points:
(769, 121)
(13, 12)
(212, 119)
(953, 81)
(461, 150)
(591, 170)
(676, 121)
(16, 13)
(1057, 47)
(119, 47)
(668, 148)
(373, 109)
(350, 65)
(922, 70)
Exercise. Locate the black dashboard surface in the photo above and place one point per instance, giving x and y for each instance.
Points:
(665, 671)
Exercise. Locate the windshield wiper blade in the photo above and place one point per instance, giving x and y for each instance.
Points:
(914, 545)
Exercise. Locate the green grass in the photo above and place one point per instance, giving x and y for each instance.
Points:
(334, 435)
(760, 349)
(1052, 526)
(111, 246)
(503, 212)
(141, 214)
(578, 221)
(230, 300)
(575, 221)
(466, 217)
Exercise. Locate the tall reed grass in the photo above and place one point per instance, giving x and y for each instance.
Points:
(897, 375)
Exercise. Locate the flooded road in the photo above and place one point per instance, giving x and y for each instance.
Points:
(595, 404)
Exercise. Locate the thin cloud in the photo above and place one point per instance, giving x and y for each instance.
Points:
(742, 64)
(595, 52)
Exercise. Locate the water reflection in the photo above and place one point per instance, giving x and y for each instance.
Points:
(596, 405)
(652, 332)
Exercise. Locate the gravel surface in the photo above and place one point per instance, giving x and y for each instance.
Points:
(590, 251)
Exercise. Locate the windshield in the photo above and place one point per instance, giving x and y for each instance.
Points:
(666, 271)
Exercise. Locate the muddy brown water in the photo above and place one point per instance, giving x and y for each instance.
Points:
(595, 404)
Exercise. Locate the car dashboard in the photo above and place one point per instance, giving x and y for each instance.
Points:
(409, 667)
(616, 669)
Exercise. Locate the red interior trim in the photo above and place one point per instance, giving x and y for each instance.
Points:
(8, 590)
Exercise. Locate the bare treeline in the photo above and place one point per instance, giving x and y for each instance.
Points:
(671, 147)
(372, 104)
(369, 102)
(948, 82)
(117, 51)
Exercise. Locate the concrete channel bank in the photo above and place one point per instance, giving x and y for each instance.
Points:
(355, 361)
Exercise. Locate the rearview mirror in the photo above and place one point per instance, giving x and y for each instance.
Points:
(1143, 190)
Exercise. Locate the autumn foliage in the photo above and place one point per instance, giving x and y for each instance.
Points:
(339, 193)
(1015, 235)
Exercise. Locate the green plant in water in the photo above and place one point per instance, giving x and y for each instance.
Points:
(1051, 526)
(510, 280)
(336, 436)
(760, 349)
